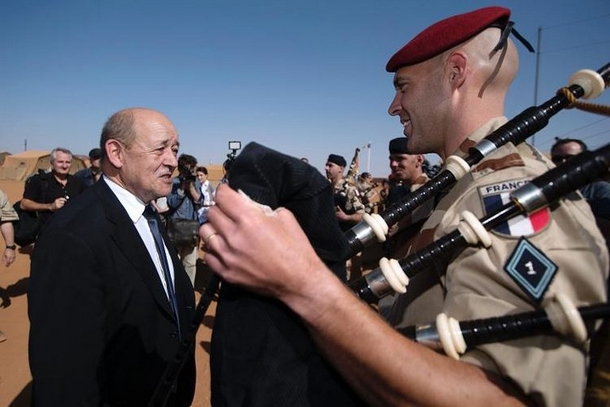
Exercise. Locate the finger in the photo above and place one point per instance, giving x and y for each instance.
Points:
(218, 221)
(205, 230)
(216, 252)
(208, 238)
(284, 214)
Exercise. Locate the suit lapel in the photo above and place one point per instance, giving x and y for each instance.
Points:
(130, 244)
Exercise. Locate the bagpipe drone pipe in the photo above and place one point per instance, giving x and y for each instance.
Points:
(393, 275)
(559, 316)
(586, 84)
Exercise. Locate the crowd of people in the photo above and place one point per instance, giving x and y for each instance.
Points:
(121, 285)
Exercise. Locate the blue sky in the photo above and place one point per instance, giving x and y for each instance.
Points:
(306, 78)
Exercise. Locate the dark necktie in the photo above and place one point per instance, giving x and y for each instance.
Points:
(153, 222)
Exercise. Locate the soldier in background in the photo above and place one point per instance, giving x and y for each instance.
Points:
(7, 217)
(408, 175)
(348, 205)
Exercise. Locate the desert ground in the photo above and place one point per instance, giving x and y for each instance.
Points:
(15, 377)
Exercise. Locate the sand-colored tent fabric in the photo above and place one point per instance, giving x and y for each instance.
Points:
(3, 155)
(18, 167)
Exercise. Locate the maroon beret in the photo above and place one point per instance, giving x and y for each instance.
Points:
(446, 34)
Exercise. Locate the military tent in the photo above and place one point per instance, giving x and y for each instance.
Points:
(18, 167)
(3, 156)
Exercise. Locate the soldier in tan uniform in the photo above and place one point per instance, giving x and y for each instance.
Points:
(369, 195)
(477, 283)
(349, 207)
(451, 81)
(408, 174)
(8, 215)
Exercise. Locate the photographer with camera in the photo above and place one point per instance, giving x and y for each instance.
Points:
(182, 223)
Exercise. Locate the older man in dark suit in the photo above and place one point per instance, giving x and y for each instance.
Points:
(107, 308)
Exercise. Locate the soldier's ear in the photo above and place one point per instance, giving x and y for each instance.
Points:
(456, 69)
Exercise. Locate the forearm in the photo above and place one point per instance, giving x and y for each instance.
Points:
(8, 233)
(29, 205)
(379, 363)
(356, 217)
(195, 193)
(353, 218)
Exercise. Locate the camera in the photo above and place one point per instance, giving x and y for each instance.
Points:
(185, 173)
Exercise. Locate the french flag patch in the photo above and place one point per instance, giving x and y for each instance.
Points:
(495, 196)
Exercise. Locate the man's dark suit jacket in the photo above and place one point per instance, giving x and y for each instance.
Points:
(102, 330)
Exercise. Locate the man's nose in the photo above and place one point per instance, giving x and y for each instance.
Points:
(395, 106)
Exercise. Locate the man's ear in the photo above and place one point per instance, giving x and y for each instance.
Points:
(420, 160)
(115, 152)
(456, 66)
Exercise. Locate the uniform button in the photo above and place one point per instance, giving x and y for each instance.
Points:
(173, 334)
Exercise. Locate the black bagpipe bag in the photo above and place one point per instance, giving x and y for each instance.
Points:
(261, 354)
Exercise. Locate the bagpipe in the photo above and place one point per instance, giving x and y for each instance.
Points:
(393, 275)
(584, 84)
(354, 168)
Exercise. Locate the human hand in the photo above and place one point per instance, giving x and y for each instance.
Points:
(342, 216)
(263, 250)
(57, 204)
(192, 190)
(9, 257)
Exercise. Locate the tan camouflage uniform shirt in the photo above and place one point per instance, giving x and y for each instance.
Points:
(7, 212)
(476, 284)
(353, 203)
